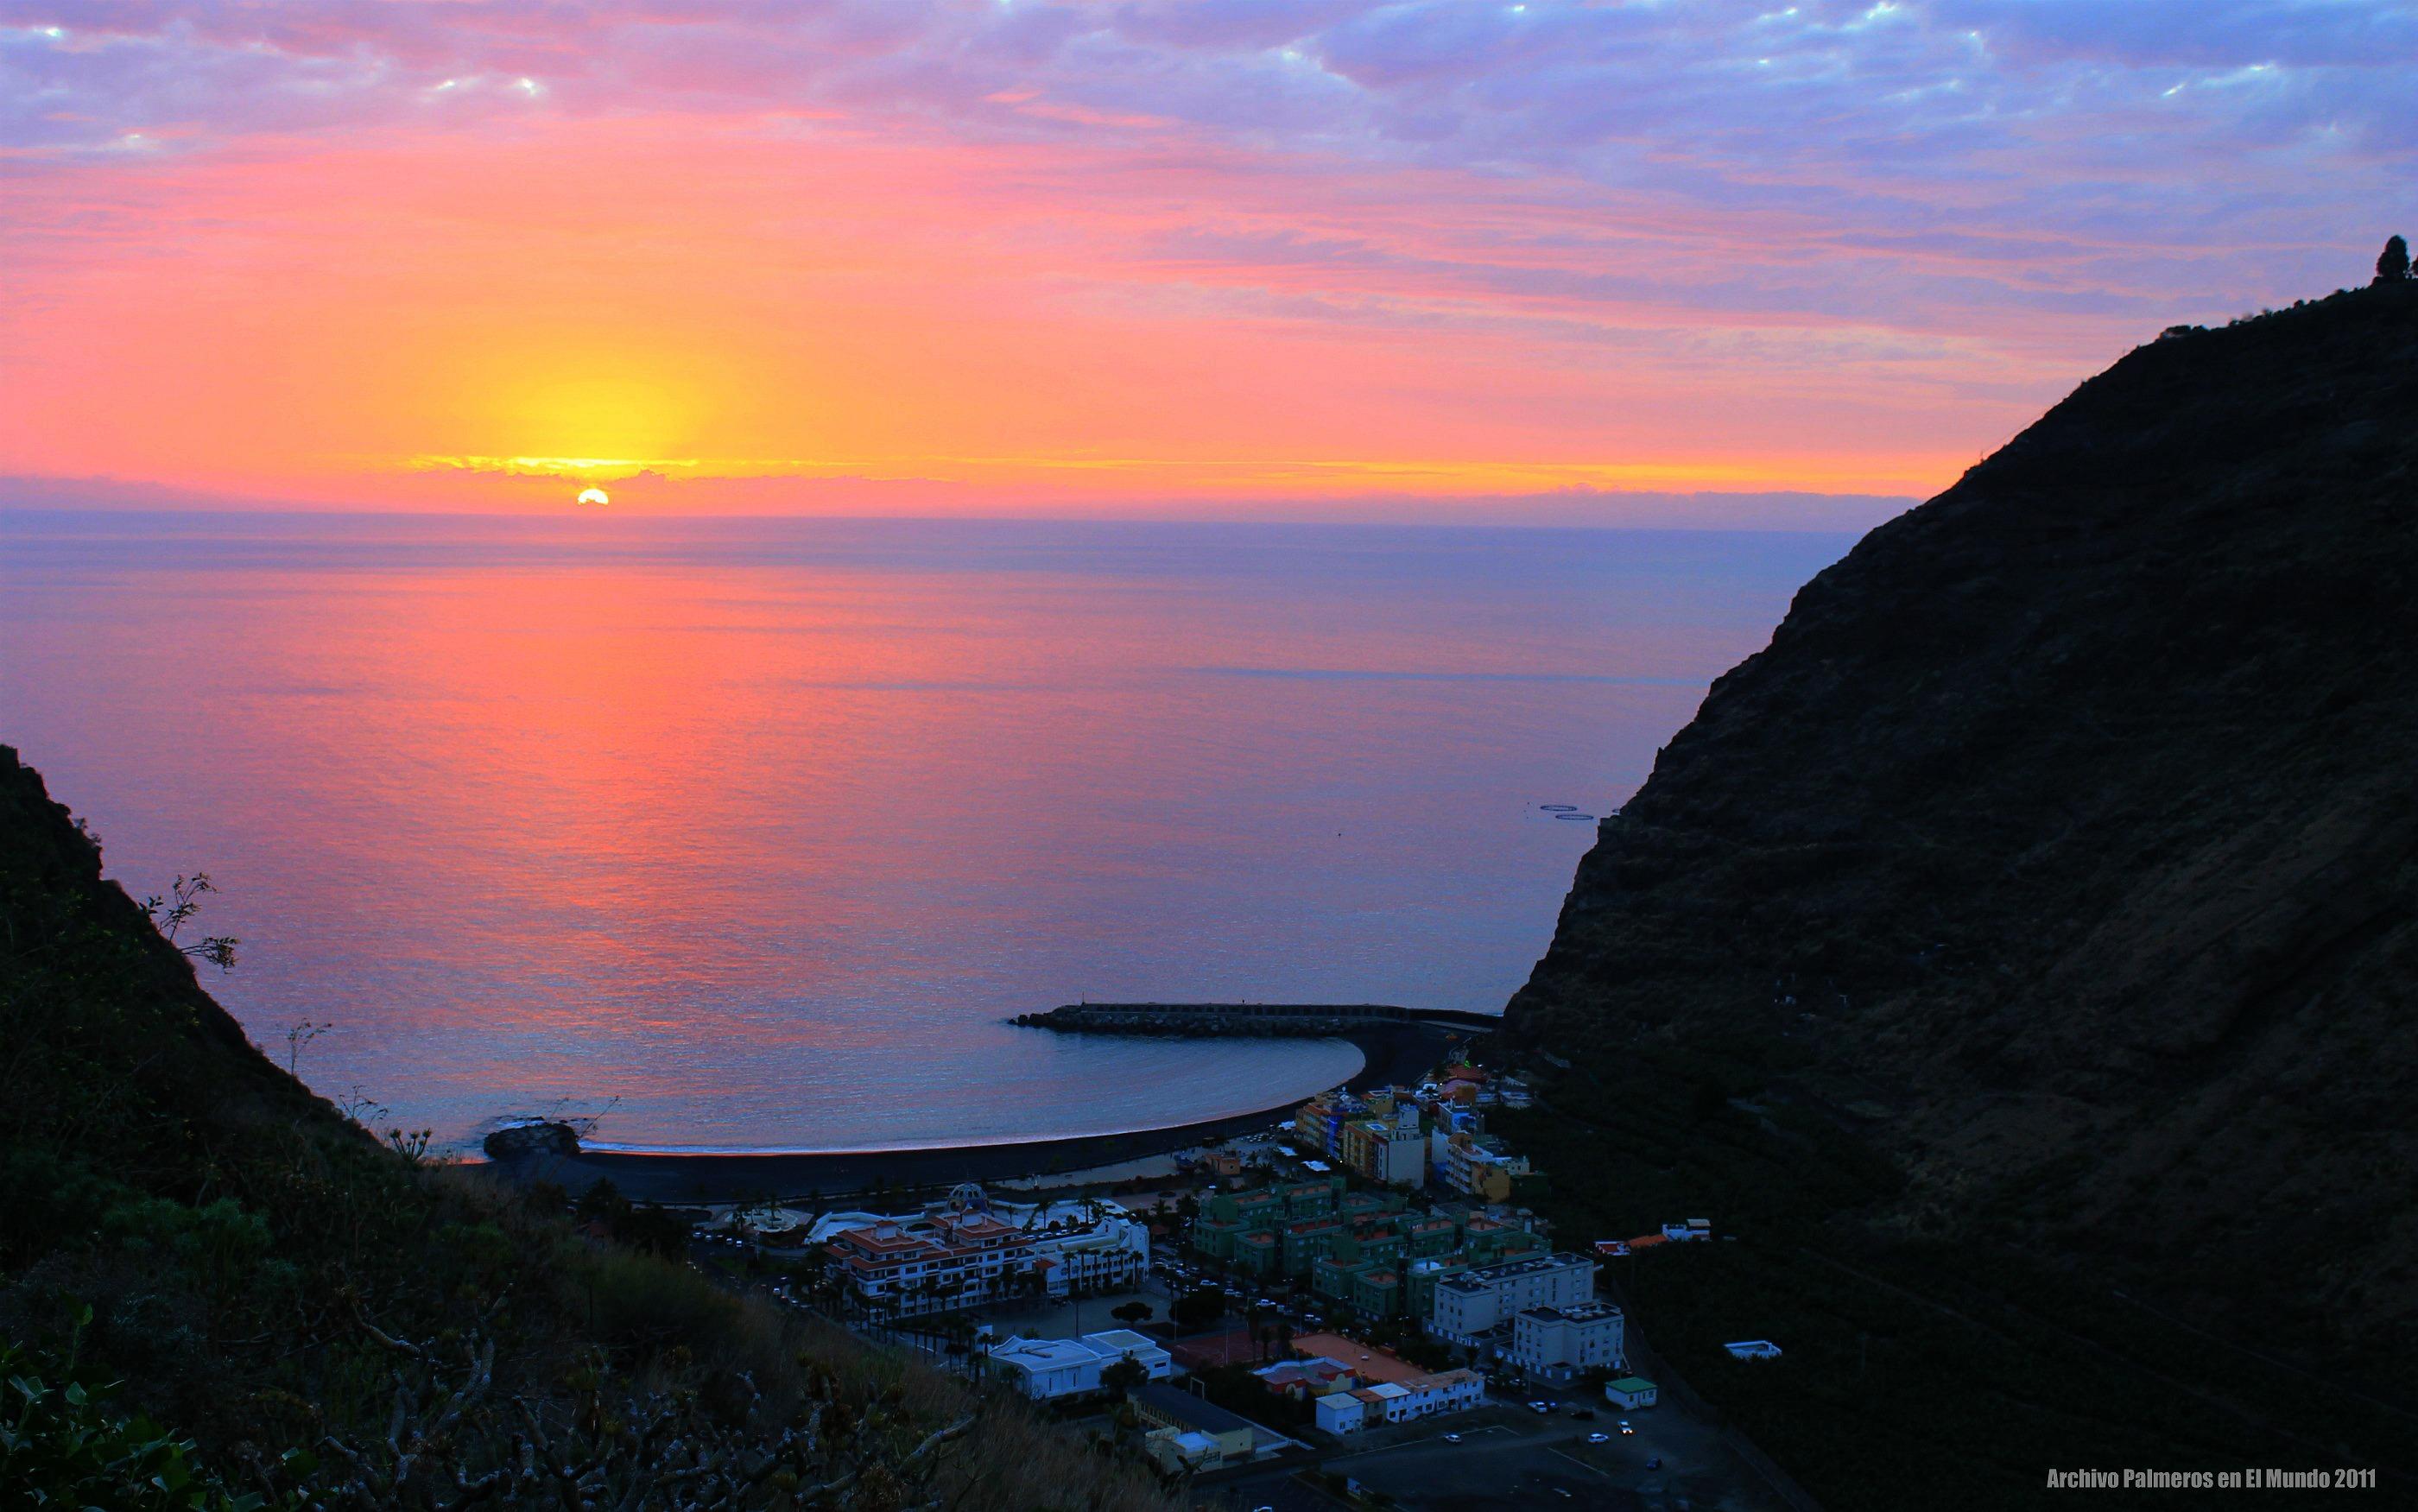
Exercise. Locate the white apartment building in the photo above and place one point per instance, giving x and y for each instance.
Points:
(1048, 1368)
(1487, 1297)
(1559, 1343)
(1106, 1255)
(1447, 1391)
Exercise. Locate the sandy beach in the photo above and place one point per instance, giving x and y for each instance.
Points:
(674, 1178)
(1387, 1056)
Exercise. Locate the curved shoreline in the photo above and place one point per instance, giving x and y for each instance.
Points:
(669, 1178)
(1387, 1055)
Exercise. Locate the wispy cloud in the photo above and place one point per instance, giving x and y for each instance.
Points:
(1599, 243)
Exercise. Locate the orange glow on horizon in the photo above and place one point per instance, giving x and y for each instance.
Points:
(793, 321)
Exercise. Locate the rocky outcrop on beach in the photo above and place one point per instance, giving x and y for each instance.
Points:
(538, 1137)
(2064, 843)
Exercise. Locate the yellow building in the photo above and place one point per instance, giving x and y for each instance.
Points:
(1389, 1148)
(1187, 1433)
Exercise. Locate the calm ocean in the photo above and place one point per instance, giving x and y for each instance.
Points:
(750, 834)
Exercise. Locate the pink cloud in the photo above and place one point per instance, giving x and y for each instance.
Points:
(1267, 234)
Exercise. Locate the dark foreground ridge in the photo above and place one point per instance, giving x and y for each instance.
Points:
(323, 1319)
(2030, 935)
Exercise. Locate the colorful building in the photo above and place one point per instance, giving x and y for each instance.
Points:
(1187, 1434)
(1401, 1401)
(1387, 1147)
(1631, 1392)
(1480, 1167)
(1307, 1379)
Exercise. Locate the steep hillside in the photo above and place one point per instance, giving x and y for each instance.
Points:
(2062, 850)
(324, 1320)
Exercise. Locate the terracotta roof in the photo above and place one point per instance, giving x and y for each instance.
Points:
(1234, 1346)
(1364, 1360)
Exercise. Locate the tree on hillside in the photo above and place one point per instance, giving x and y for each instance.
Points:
(2392, 264)
(603, 1201)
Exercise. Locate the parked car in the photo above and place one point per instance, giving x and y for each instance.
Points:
(1598, 1438)
(1452, 1438)
(1541, 1409)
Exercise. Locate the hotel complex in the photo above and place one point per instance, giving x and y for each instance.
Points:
(967, 1254)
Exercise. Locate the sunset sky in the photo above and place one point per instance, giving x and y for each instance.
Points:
(906, 257)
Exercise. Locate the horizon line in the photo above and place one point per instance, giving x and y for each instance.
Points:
(591, 515)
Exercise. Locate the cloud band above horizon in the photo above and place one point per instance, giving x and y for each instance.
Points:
(384, 254)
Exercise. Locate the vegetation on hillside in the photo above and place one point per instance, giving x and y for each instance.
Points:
(324, 1319)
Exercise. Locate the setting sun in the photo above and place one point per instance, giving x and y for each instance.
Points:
(1231, 631)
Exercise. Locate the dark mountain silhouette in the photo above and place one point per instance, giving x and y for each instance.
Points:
(2061, 850)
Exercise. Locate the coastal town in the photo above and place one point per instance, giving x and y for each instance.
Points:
(1358, 1306)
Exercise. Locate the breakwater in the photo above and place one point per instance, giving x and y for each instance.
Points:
(1396, 1045)
(1256, 1019)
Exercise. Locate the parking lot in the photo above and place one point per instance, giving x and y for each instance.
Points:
(1505, 1455)
(1070, 1318)
(1172, 1278)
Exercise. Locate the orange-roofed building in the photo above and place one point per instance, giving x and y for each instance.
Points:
(1367, 1361)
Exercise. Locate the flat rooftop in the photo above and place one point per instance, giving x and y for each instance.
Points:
(1121, 1340)
(1184, 1407)
(1529, 1265)
(1578, 1312)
